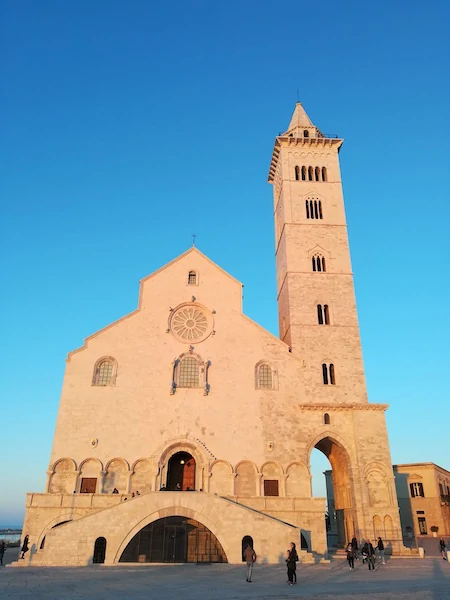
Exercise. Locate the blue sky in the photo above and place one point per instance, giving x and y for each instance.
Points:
(127, 126)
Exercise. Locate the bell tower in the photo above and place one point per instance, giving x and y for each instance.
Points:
(316, 299)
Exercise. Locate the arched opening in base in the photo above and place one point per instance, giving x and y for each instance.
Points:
(181, 472)
(339, 519)
(174, 540)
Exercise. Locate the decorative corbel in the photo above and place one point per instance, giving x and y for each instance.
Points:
(173, 386)
(207, 386)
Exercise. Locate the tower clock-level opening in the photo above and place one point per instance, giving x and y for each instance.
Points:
(339, 517)
(181, 472)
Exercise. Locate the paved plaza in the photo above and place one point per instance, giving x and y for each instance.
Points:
(399, 579)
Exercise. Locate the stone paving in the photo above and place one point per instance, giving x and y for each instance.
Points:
(399, 579)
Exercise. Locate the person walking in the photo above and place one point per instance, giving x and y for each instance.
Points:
(380, 547)
(443, 547)
(291, 561)
(350, 556)
(369, 552)
(2, 551)
(355, 547)
(25, 548)
(250, 558)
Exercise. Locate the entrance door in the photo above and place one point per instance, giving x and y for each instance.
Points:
(181, 472)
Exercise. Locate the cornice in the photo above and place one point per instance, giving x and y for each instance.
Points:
(343, 407)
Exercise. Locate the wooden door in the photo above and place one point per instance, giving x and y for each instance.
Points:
(189, 475)
(88, 485)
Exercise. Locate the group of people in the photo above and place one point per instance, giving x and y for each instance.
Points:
(250, 557)
(368, 553)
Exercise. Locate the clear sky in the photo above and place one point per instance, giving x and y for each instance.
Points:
(127, 126)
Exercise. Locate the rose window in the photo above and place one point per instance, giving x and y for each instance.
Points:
(190, 324)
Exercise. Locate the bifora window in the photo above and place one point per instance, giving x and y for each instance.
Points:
(189, 372)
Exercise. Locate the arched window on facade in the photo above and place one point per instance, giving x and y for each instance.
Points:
(303, 173)
(189, 372)
(326, 419)
(104, 372)
(297, 173)
(324, 174)
(328, 374)
(323, 314)
(306, 133)
(265, 376)
(318, 263)
(317, 173)
(192, 278)
(310, 174)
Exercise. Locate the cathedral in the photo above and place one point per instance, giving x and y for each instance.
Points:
(185, 429)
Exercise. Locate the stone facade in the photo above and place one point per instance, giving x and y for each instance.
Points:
(187, 390)
(423, 492)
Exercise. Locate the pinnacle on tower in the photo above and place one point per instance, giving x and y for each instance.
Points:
(300, 122)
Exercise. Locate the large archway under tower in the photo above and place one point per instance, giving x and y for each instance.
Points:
(337, 487)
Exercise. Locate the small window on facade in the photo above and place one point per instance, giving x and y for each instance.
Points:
(306, 133)
(416, 490)
(423, 525)
(317, 173)
(303, 173)
(103, 373)
(328, 374)
(326, 314)
(297, 173)
(192, 278)
(324, 174)
(310, 174)
(320, 314)
(326, 419)
(189, 373)
(265, 377)
(271, 487)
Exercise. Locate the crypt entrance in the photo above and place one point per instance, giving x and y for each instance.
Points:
(181, 472)
(174, 540)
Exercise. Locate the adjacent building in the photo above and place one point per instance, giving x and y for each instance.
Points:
(423, 492)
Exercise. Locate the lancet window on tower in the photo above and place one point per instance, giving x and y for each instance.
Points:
(326, 419)
(306, 133)
(313, 209)
(328, 374)
(297, 173)
(323, 314)
(303, 173)
(318, 263)
(311, 173)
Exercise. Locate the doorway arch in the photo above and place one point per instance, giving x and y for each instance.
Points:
(340, 492)
(99, 551)
(174, 540)
(181, 472)
(247, 540)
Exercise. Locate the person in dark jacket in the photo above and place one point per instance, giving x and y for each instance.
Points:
(443, 547)
(380, 547)
(2, 551)
(291, 564)
(350, 556)
(355, 547)
(25, 546)
(369, 552)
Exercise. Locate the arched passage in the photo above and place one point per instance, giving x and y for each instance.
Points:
(181, 472)
(247, 540)
(174, 540)
(336, 488)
